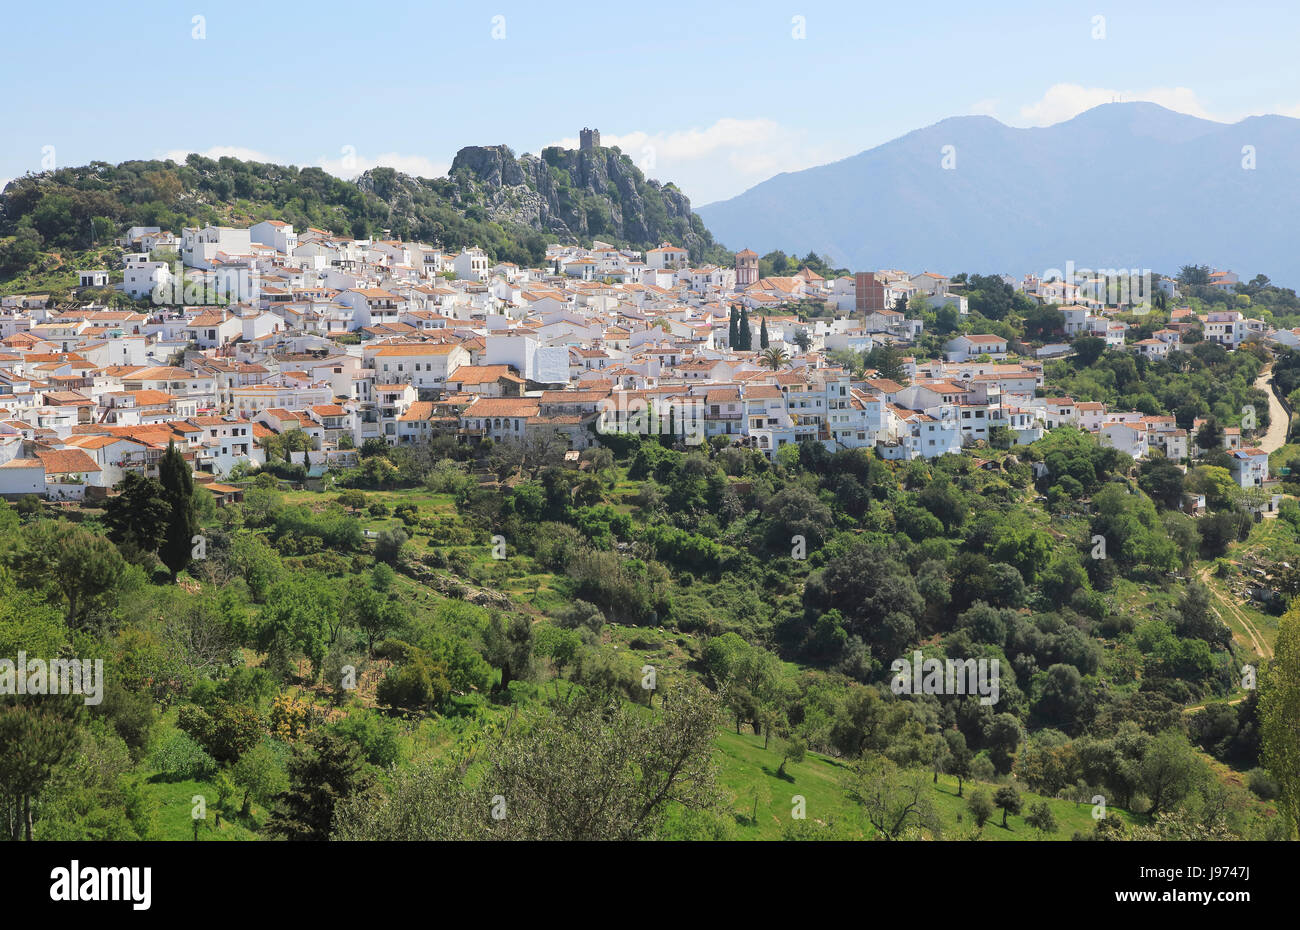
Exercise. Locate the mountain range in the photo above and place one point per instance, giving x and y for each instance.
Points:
(1123, 185)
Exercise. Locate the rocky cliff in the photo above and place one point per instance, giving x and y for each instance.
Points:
(578, 196)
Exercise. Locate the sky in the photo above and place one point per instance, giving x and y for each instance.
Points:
(713, 96)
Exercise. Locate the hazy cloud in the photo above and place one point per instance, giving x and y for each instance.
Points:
(1066, 101)
(348, 167)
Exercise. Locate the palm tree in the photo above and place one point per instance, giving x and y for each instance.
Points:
(775, 357)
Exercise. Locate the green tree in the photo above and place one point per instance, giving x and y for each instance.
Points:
(177, 480)
(1087, 349)
(1170, 770)
(1041, 818)
(80, 567)
(300, 613)
(33, 742)
(1210, 435)
(323, 771)
(509, 646)
(354, 500)
(959, 757)
(1008, 799)
(591, 769)
(389, 544)
(744, 332)
(792, 752)
(888, 361)
(1279, 717)
(894, 800)
(1162, 480)
(775, 358)
(980, 805)
(373, 612)
(138, 516)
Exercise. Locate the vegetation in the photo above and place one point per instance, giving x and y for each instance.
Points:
(713, 630)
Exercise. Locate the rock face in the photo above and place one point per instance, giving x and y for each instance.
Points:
(576, 195)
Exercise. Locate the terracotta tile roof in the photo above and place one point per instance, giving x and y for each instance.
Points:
(502, 407)
(66, 461)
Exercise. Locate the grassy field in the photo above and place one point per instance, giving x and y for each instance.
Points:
(763, 800)
(175, 802)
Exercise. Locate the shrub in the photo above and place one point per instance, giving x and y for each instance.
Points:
(180, 758)
(581, 615)
(375, 735)
(388, 545)
(1263, 784)
(420, 683)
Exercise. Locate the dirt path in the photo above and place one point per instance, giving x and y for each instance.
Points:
(1197, 708)
(1278, 421)
(1258, 643)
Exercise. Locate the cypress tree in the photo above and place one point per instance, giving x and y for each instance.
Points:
(762, 334)
(746, 334)
(732, 329)
(178, 489)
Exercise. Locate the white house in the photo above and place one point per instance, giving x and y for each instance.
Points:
(471, 264)
(200, 246)
(275, 233)
(969, 346)
(1250, 467)
(1129, 438)
(423, 364)
(140, 276)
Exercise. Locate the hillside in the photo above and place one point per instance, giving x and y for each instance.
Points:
(1122, 185)
(379, 626)
(511, 207)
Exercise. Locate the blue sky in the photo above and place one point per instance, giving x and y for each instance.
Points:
(713, 96)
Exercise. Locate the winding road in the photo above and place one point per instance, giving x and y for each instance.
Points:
(1275, 437)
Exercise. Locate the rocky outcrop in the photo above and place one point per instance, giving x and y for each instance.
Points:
(577, 195)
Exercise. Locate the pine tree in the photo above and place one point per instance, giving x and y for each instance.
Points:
(137, 516)
(323, 771)
(762, 334)
(178, 488)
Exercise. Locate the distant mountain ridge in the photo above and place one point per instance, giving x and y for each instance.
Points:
(1121, 185)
